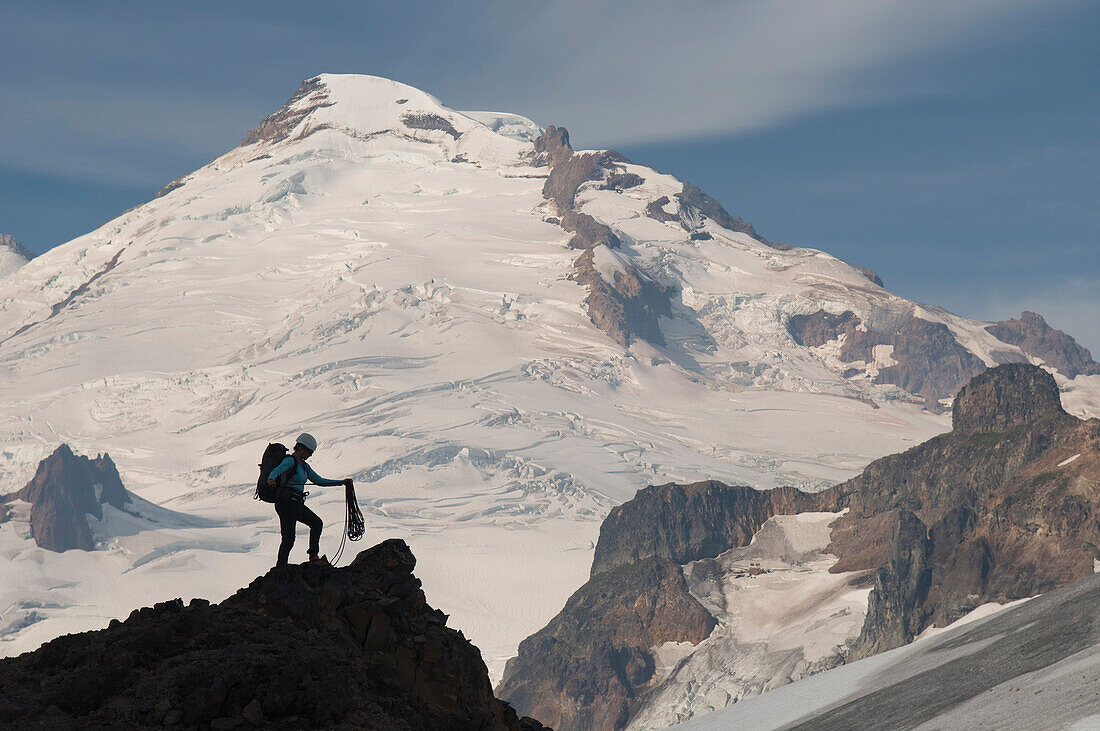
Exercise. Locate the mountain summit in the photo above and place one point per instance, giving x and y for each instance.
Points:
(499, 337)
(300, 647)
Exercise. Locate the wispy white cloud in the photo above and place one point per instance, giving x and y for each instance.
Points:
(652, 70)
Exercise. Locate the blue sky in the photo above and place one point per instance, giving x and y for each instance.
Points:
(954, 147)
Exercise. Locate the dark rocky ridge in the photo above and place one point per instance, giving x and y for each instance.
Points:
(655, 209)
(998, 510)
(589, 668)
(931, 362)
(684, 523)
(1010, 396)
(64, 491)
(991, 512)
(632, 305)
(1034, 336)
(301, 647)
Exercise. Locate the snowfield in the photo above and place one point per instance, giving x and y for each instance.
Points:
(781, 617)
(1031, 664)
(403, 293)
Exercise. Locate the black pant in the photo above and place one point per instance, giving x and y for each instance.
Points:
(292, 511)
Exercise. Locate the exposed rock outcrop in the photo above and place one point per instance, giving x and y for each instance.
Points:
(301, 647)
(685, 523)
(424, 120)
(1034, 336)
(1004, 398)
(632, 303)
(630, 306)
(928, 359)
(694, 201)
(655, 209)
(571, 171)
(590, 667)
(277, 126)
(818, 328)
(588, 233)
(1007, 504)
(64, 491)
(621, 181)
(552, 146)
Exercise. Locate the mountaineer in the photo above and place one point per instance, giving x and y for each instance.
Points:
(291, 495)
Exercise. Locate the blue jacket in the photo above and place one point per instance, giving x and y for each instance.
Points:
(299, 476)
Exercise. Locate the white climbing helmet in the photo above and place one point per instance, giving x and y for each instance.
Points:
(307, 441)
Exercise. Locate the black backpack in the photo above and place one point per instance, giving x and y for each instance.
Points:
(273, 457)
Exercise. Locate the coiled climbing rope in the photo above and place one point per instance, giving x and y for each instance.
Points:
(354, 527)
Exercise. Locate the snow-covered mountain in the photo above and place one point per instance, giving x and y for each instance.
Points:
(404, 281)
(12, 254)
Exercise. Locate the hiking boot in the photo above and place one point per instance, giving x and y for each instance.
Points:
(322, 560)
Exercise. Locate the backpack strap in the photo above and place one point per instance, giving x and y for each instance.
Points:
(284, 478)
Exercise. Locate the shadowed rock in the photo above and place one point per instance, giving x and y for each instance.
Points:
(821, 327)
(929, 360)
(684, 523)
(1005, 397)
(1005, 502)
(301, 647)
(1034, 336)
(631, 306)
(620, 181)
(589, 668)
(655, 209)
(425, 120)
(64, 491)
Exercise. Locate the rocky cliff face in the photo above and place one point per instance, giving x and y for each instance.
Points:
(591, 667)
(302, 647)
(66, 489)
(1004, 507)
(1038, 339)
(594, 665)
(926, 358)
(631, 303)
(1007, 397)
(685, 523)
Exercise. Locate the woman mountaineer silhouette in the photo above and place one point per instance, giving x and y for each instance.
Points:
(291, 497)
